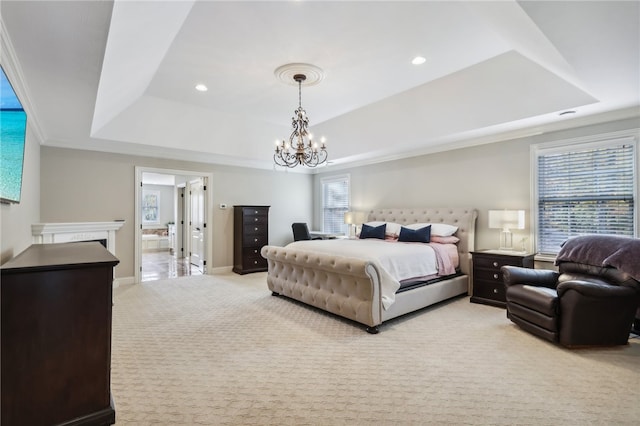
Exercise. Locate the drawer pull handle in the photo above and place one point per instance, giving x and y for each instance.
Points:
(255, 251)
(255, 229)
(495, 264)
(495, 276)
(255, 240)
(255, 262)
(256, 212)
(495, 291)
(256, 219)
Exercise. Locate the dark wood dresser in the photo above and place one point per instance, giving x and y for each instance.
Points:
(488, 287)
(250, 234)
(56, 335)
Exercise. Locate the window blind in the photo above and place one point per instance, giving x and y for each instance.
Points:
(335, 202)
(585, 191)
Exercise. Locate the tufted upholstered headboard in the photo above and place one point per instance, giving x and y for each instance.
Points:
(463, 218)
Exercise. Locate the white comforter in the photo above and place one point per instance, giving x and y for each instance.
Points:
(395, 261)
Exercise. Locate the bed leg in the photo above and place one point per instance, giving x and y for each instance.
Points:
(373, 330)
(273, 293)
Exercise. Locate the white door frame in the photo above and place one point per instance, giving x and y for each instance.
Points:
(138, 214)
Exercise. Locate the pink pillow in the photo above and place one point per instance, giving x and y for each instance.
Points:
(444, 240)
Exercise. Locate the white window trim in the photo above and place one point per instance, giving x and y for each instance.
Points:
(631, 136)
(330, 179)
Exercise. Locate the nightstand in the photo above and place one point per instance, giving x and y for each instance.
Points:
(488, 287)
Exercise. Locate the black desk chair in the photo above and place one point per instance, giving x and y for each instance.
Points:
(301, 232)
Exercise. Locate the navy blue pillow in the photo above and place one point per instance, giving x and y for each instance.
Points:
(422, 235)
(369, 231)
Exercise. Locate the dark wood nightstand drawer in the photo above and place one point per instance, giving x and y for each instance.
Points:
(488, 285)
(492, 262)
(488, 290)
(487, 275)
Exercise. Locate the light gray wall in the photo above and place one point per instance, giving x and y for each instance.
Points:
(90, 186)
(16, 219)
(485, 177)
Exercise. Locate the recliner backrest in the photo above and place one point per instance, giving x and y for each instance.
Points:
(572, 271)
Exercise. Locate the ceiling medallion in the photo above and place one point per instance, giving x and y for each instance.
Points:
(300, 149)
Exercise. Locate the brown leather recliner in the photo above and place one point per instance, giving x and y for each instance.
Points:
(581, 305)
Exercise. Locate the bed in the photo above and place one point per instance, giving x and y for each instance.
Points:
(353, 287)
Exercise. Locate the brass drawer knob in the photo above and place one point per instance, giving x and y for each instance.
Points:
(495, 276)
(495, 264)
(495, 291)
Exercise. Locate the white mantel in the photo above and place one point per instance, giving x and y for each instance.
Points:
(76, 231)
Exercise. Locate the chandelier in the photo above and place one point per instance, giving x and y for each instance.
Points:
(300, 149)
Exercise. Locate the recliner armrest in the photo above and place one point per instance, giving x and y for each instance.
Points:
(597, 289)
(513, 275)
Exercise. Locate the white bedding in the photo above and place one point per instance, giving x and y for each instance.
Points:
(395, 261)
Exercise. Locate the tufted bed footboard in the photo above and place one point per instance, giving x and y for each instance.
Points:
(344, 286)
(350, 287)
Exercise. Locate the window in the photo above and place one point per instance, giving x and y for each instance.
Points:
(335, 202)
(150, 207)
(587, 188)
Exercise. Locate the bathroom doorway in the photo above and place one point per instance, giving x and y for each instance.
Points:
(164, 226)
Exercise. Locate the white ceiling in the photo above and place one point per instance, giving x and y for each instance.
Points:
(119, 76)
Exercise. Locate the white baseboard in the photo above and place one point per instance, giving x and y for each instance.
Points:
(123, 280)
(220, 270)
(131, 280)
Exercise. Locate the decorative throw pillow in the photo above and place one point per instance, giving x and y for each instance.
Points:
(422, 235)
(444, 240)
(392, 230)
(372, 231)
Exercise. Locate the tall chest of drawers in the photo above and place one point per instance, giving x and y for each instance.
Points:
(250, 234)
(488, 286)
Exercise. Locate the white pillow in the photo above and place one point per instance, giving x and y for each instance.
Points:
(392, 229)
(439, 229)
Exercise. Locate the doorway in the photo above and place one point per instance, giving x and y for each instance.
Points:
(169, 242)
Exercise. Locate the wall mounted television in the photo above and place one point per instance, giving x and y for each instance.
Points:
(13, 130)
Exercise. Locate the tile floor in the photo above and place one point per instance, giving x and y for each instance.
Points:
(158, 265)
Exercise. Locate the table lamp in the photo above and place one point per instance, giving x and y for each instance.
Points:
(506, 220)
(353, 219)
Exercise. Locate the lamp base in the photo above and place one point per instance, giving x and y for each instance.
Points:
(506, 240)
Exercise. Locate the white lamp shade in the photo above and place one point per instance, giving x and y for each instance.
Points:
(506, 219)
(350, 218)
(355, 218)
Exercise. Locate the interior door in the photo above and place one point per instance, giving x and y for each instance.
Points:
(181, 222)
(198, 224)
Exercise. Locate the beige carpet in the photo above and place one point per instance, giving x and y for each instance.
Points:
(220, 350)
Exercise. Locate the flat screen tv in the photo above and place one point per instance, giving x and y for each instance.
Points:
(13, 129)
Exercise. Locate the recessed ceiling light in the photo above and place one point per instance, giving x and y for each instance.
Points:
(418, 60)
(201, 88)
